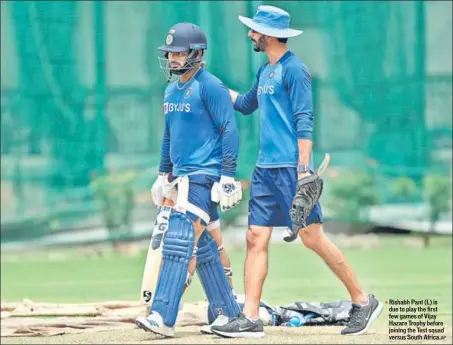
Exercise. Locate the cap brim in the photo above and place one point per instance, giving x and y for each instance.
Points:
(273, 32)
(170, 49)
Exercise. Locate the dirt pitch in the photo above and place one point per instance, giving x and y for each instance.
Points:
(378, 334)
(395, 273)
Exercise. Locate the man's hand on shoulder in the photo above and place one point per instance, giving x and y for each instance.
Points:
(227, 193)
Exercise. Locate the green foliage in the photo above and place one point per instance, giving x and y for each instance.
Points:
(116, 195)
(403, 188)
(437, 191)
(350, 194)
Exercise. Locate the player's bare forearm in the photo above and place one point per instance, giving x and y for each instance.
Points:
(305, 147)
(234, 95)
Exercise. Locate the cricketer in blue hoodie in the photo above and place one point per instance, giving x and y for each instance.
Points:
(283, 93)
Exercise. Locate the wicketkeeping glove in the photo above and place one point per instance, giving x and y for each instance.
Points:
(309, 190)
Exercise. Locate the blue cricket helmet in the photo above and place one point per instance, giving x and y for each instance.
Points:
(183, 37)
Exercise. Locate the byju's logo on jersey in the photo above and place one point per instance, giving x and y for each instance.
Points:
(176, 107)
(266, 89)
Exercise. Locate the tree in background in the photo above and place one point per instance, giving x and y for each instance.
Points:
(350, 195)
(116, 196)
(403, 189)
(437, 191)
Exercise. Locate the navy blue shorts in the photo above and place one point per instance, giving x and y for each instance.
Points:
(271, 195)
(200, 195)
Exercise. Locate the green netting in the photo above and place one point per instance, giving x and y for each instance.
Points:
(81, 95)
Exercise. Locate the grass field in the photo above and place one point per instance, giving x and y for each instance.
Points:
(392, 271)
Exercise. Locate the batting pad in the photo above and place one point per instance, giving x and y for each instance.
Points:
(213, 279)
(177, 251)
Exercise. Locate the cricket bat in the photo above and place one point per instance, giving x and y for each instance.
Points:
(154, 256)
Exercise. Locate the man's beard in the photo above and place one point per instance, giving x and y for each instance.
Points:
(260, 45)
(175, 65)
(177, 68)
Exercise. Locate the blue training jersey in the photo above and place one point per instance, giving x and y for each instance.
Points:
(283, 93)
(201, 135)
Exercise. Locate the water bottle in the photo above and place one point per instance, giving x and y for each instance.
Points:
(298, 320)
(295, 321)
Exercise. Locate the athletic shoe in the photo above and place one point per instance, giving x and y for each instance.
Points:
(362, 316)
(154, 323)
(219, 321)
(240, 327)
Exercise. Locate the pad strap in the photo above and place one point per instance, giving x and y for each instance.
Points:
(182, 201)
(198, 212)
(213, 225)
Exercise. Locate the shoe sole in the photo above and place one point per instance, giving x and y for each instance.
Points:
(240, 334)
(373, 318)
(205, 331)
(151, 330)
(207, 328)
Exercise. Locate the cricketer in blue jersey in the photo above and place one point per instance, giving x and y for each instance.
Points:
(283, 93)
(198, 159)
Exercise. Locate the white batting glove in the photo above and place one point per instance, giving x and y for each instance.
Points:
(161, 189)
(169, 190)
(227, 193)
